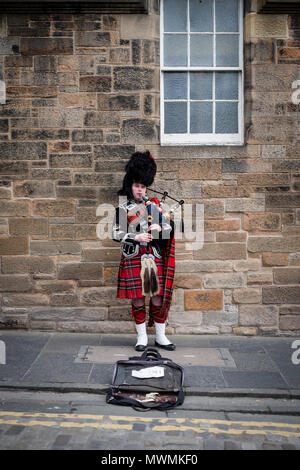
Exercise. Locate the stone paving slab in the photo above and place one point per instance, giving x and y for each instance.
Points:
(263, 365)
(216, 357)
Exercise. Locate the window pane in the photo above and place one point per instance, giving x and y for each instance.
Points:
(227, 50)
(227, 86)
(201, 15)
(175, 118)
(175, 49)
(227, 15)
(175, 16)
(226, 118)
(201, 86)
(175, 86)
(201, 118)
(202, 49)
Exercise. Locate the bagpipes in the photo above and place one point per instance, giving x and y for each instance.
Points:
(149, 275)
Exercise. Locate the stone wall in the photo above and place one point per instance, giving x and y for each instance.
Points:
(82, 95)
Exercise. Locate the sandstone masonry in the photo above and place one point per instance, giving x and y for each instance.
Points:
(82, 94)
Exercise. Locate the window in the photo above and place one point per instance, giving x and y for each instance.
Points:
(201, 72)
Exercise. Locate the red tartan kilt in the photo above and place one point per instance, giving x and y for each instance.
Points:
(129, 280)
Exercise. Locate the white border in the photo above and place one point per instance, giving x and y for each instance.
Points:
(204, 139)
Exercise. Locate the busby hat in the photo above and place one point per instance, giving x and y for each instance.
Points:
(141, 168)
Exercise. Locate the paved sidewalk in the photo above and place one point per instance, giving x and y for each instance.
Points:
(214, 365)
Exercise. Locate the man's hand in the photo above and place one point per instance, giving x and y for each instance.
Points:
(143, 237)
(155, 227)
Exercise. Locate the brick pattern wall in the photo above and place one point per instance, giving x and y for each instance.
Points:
(82, 95)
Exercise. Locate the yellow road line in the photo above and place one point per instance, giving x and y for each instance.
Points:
(214, 430)
(72, 416)
(128, 427)
(68, 424)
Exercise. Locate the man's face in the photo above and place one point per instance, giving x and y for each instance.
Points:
(138, 190)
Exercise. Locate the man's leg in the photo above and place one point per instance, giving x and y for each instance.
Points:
(155, 311)
(139, 315)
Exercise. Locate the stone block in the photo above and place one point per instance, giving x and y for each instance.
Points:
(280, 295)
(118, 102)
(188, 281)
(45, 134)
(72, 232)
(246, 265)
(289, 322)
(11, 283)
(34, 189)
(102, 119)
(9, 45)
(80, 271)
(289, 310)
(57, 147)
(221, 225)
(95, 83)
(93, 39)
(246, 296)
(85, 100)
(221, 251)
(200, 169)
(14, 169)
(12, 208)
(14, 245)
(275, 259)
(31, 91)
(75, 192)
(139, 26)
(87, 135)
(68, 314)
(134, 78)
(263, 222)
(223, 280)
(203, 299)
(28, 226)
(122, 152)
(64, 299)
(21, 300)
(68, 160)
(139, 130)
(46, 46)
(258, 315)
(57, 208)
(53, 286)
(110, 275)
(264, 26)
(101, 255)
(286, 275)
(260, 278)
(102, 296)
(273, 244)
(23, 150)
(61, 118)
(244, 205)
(231, 237)
(27, 264)
(282, 200)
(244, 331)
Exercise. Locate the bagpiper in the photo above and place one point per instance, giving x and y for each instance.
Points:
(147, 264)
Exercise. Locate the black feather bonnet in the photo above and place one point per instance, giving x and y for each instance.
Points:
(141, 168)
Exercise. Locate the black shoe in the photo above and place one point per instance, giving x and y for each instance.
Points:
(140, 347)
(167, 347)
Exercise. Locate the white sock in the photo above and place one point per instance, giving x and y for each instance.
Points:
(142, 338)
(160, 334)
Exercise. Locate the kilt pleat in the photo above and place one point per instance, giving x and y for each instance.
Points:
(129, 280)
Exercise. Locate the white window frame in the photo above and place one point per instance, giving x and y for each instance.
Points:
(211, 138)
